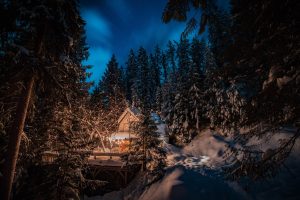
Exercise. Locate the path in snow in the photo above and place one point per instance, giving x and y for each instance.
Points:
(187, 178)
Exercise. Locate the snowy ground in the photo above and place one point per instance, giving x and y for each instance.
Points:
(195, 172)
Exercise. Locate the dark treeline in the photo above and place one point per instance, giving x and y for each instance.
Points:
(170, 82)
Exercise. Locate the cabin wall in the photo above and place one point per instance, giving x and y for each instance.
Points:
(124, 125)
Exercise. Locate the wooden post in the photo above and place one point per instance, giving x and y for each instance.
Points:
(14, 141)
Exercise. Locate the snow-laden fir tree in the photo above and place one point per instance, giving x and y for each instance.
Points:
(154, 79)
(197, 85)
(219, 25)
(110, 86)
(180, 123)
(147, 149)
(169, 86)
(131, 74)
(36, 64)
(165, 69)
(145, 80)
(109, 96)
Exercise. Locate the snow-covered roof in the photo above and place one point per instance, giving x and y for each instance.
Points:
(133, 111)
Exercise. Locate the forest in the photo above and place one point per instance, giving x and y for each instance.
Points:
(226, 94)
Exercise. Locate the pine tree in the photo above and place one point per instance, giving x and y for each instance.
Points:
(131, 74)
(110, 87)
(169, 89)
(147, 149)
(158, 98)
(265, 76)
(165, 69)
(197, 85)
(219, 32)
(181, 123)
(157, 65)
(154, 79)
(171, 59)
(184, 61)
(43, 60)
(144, 79)
(109, 96)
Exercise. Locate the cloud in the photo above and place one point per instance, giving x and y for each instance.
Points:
(156, 33)
(120, 8)
(98, 59)
(98, 30)
(99, 35)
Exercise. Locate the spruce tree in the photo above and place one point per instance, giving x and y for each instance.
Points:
(148, 149)
(109, 95)
(219, 29)
(197, 86)
(38, 59)
(144, 80)
(165, 69)
(181, 123)
(131, 74)
(169, 88)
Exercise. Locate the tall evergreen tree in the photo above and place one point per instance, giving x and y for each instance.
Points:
(169, 89)
(148, 148)
(184, 60)
(109, 96)
(171, 59)
(165, 68)
(131, 74)
(43, 60)
(110, 86)
(219, 27)
(196, 85)
(157, 65)
(181, 123)
(145, 79)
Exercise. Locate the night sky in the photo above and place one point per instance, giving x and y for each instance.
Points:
(115, 26)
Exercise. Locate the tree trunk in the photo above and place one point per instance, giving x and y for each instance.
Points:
(14, 141)
(144, 154)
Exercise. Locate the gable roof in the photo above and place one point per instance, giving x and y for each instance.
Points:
(133, 111)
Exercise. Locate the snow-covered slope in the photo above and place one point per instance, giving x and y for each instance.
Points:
(208, 144)
(181, 183)
(195, 172)
(191, 174)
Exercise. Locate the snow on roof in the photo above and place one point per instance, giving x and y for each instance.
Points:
(136, 112)
(133, 111)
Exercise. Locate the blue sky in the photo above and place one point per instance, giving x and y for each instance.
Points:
(115, 26)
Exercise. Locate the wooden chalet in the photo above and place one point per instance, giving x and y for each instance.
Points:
(122, 138)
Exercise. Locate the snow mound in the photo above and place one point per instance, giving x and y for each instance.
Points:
(181, 183)
(210, 145)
